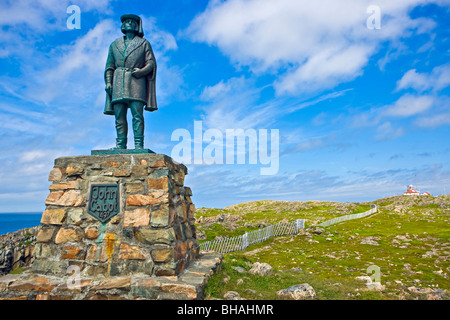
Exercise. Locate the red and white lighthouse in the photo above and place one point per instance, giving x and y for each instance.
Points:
(411, 191)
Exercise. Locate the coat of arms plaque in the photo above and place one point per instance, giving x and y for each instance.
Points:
(104, 201)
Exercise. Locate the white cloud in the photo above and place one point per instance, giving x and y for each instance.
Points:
(170, 81)
(434, 121)
(325, 70)
(438, 79)
(412, 79)
(39, 15)
(386, 131)
(27, 21)
(32, 155)
(233, 104)
(161, 40)
(312, 44)
(309, 144)
(409, 105)
(74, 74)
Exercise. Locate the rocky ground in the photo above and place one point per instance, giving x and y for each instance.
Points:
(401, 252)
(16, 250)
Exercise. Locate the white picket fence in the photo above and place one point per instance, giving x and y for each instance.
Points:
(349, 217)
(241, 242)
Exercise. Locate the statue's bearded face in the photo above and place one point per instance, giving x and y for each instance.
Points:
(129, 25)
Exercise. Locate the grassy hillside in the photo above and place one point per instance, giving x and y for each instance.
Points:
(408, 239)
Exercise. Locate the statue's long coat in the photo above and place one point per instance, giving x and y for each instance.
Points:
(122, 60)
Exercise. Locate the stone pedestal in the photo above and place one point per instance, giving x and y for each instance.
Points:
(152, 233)
(118, 226)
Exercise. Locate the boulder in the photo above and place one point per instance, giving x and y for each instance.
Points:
(232, 295)
(375, 286)
(298, 292)
(318, 230)
(239, 269)
(262, 269)
(364, 278)
(370, 240)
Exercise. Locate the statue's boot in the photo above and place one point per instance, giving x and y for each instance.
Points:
(139, 142)
(121, 143)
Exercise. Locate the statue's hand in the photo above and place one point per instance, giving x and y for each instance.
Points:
(108, 89)
(137, 73)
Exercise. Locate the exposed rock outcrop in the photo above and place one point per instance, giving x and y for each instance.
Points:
(16, 249)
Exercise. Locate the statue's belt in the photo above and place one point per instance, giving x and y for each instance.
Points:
(125, 69)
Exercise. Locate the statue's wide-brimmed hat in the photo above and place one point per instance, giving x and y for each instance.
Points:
(135, 18)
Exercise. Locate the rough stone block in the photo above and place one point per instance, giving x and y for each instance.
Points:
(56, 174)
(71, 252)
(188, 191)
(96, 254)
(189, 290)
(134, 188)
(161, 217)
(74, 171)
(141, 200)
(139, 171)
(44, 266)
(146, 288)
(156, 236)
(187, 230)
(45, 235)
(178, 177)
(53, 216)
(159, 164)
(136, 218)
(131, 252)
(67, 235)
(162, 254)
(112, 164)
(91, 233)
(43, 250)
(122, 173)
(39, 284)
(53, 297)
(159, 184)
(73, 184)
(191, 211)
(71, 198)
(53, 197)
(113, 283)
(181, 250)
(181, 211)
(74, 216)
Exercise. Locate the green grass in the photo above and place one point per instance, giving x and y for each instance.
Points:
(18, 270)
(331, 260)
(266, 287)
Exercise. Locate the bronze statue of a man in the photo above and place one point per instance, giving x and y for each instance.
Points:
(130, 76)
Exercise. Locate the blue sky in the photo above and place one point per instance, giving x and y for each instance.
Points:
(361, 112)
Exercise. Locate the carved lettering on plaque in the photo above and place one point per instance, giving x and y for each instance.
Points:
(104, 201)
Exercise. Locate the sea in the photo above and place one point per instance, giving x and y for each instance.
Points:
(10, 222)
